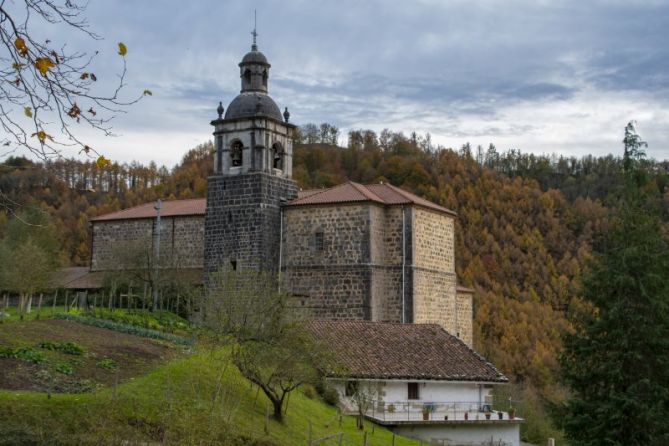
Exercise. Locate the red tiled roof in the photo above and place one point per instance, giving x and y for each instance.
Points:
(383, 350)
(195, 206)
(351, 192)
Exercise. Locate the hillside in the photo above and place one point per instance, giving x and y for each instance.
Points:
(522, 242)
(195, 399)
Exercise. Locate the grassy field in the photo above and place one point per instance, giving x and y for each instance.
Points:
(10, 314)
(194, 399)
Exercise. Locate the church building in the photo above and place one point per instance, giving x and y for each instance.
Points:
(357, 252)
(373, 264)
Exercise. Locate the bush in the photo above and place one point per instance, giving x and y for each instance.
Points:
(309, 391)
(24, 353)
(108, 364)
(64, 368)
(70, 348)
(124, 328)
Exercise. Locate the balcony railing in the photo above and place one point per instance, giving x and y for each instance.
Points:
(409, 412)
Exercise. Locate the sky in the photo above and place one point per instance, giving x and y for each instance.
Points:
(540, 76)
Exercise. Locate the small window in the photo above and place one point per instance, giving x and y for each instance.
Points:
(277, 151)
(236, 153)
(319, 244)
(233, 265)
(413, 393)
(351, 388)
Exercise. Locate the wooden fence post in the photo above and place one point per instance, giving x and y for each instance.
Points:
(67, 295)
(53, 304)
(39, 305)
(393, 439)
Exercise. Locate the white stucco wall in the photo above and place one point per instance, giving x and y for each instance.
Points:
(469, 435)
(396, 392)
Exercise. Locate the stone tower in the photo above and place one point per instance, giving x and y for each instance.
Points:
(252, 175)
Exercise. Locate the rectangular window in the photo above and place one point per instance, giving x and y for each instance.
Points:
(233, 265)
(319, 241)
(413, 393)
(351, 388)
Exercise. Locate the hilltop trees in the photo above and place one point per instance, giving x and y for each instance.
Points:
(616, 361)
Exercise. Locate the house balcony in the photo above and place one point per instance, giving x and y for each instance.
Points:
(418, 412)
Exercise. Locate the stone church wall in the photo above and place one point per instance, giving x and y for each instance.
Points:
(181, 241)
(243, 219)
(465, 318)
(435, 299)
(331, 279)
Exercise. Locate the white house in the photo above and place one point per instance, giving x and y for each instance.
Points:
(418, 380)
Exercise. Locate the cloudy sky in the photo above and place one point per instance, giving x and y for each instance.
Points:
(541, 76)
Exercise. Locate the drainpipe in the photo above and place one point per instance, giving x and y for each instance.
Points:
(280, 241)
(156, 255)
(404, 247)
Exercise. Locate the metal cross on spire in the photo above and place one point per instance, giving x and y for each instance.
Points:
(254, 33)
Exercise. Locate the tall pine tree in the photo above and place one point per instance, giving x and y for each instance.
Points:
(616, 361)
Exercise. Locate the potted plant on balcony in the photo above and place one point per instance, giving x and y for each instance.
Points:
(500, 414)
(428, 408)
(512, 413)
(487, 414)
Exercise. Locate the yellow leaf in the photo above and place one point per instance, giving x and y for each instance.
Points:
(17, 66)
(28, 112)
(147, 93)
(44, 64)
(20, 44)
(101, 162)
(42, 136)
(122, 49)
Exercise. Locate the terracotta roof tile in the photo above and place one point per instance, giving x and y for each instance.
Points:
(195, 206)
(385, 350)
(351, 192)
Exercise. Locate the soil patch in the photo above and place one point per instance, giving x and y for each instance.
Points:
(133, 355)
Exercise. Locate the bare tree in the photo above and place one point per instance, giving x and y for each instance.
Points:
(47, 88)
(271, 346)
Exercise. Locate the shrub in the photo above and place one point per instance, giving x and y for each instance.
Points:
(70, 348)
(108, 364)
(157, 320)
(309, 391)
(24, 353)
(64, 368)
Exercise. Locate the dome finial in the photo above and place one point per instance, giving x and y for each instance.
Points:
(286, 114)
(220, 110)
(254, 33)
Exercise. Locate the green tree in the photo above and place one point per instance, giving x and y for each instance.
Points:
(29, 256)
(616, 361)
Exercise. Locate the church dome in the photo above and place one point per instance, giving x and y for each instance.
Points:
(250, 104)
(254, 57)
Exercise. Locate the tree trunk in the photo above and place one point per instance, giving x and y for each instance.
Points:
(278, 405)
(29, 305)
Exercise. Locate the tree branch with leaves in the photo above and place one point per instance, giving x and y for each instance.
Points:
(46, 89)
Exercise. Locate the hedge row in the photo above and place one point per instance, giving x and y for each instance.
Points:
(124, 328)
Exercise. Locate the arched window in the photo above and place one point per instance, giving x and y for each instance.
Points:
(236, 153)
(277, 151)
(247, 75)
(264, 78)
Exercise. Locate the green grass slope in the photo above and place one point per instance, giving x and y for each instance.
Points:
(200, 399)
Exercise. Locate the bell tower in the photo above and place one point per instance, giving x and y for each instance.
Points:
(252, 177)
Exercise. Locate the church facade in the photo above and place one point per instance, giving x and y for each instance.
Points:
(353, 252)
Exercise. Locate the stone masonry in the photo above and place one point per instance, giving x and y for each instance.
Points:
(181, 241)
(242, 220)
